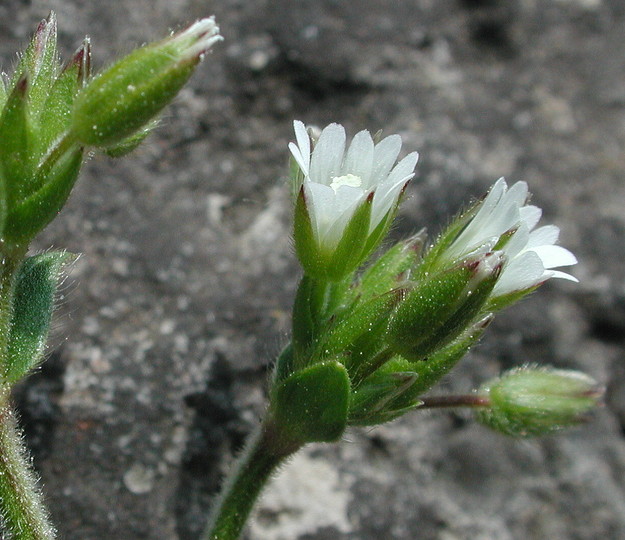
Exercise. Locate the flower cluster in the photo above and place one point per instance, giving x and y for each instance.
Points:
(387, 334)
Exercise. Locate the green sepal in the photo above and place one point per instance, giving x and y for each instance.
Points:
(312, 405)
(441, 362)
(386, 272)
(306, 247)
(385, 395)
(17, 153)
(128, 145)
(378, 234)
(39, 63)
(35, 291)
(533, 401)
(32, 214)
(473, 306)
(126, 96)
(432, 258)
(426, 309)
(3, 90)
(349, 254)
(362, 320)
(55, 118)
(498, 303)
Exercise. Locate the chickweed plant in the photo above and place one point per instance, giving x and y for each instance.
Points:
(372, 331)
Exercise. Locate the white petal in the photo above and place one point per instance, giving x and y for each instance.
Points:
(303, 143)
(384, 157)
(562, 275)
(518, 242)
(403, 171)
(328, 154)
(320, 200)
(383, 201)
(359, 158)
(554, 256)
(544, 236)
(531, 215)
(518, 193)
(297, 155)
(346, 201)
(521, 273)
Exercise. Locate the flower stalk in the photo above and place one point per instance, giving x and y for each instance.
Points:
(266, 450)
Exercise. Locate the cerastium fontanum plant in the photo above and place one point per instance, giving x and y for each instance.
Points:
(370, 334)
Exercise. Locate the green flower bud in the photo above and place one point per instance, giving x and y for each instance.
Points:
(121, 100)
(533, 401)
(441, 307)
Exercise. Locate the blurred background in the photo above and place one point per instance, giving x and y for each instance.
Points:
(171, 317)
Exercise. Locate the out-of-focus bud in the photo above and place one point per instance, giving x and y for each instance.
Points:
(533, 401)
(440, 308)
(125, 97)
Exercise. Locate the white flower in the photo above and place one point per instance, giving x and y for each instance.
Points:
(336, 182)
(531, 254)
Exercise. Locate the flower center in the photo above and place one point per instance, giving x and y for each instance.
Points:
(350, 180)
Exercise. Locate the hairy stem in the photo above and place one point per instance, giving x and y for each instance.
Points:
(24, 516)
(22, 513)
(265, 452)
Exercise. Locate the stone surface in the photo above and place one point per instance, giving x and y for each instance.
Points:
(181, 297)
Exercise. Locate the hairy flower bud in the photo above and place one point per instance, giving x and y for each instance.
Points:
(532, 401)
(126, 96)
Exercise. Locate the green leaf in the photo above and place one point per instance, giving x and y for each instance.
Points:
(35, 292)
(312, 404)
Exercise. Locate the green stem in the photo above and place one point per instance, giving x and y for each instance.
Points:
(22, 512)
(265, 451)
(441, 402)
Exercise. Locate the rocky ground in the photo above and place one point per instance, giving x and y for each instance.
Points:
(181, 297)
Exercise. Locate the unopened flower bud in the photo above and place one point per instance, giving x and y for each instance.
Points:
(534, 401)
(440, 308)
(126, 96)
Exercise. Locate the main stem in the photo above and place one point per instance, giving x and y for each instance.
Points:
(22, 512)
(265, 451)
